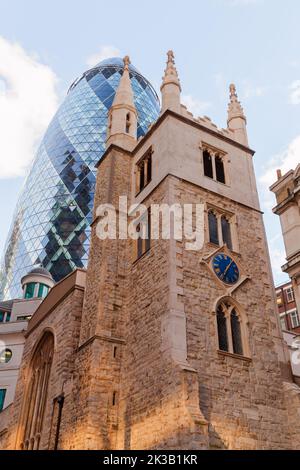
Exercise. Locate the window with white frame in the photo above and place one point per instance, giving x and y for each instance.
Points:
(283, 322)
(290, 295)
(295, 321)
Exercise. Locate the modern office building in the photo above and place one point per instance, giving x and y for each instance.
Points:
(51, 225)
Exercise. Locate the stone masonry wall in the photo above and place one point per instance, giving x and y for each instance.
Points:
(64, 322)
(242, 399)
(98, 361)
(159, 402)
(292, 401)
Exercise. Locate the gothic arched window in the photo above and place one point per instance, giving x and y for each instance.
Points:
(220, 171)
(231, 329)
(222, 329)
(207, 164)
(236, 333)
(226, 232)
(213, 228)
(36, 394)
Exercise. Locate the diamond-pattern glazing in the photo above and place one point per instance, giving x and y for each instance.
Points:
(51, 224)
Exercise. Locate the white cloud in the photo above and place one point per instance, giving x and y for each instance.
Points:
(294, 88)
(194, 105)
(28, 100)
(287, 160)
(105, 52)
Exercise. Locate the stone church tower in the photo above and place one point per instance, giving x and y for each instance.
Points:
(165, 347)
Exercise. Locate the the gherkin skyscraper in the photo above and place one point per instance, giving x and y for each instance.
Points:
(51, 224)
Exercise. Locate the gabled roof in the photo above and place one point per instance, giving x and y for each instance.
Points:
(75, 280)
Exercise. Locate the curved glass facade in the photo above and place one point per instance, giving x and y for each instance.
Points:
(51, 225)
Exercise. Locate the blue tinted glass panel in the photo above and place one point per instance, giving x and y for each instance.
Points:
(51, 225)
(29, 290)
(43, 290)
(2, 398)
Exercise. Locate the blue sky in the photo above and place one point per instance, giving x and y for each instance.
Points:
(45, 45)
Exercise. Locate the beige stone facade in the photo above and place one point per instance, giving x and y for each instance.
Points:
(136, 352)
(287, 191)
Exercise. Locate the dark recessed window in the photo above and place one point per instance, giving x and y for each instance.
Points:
(220, 172)
(140, 243)
(222, 330)
(226, 232)
(207, 163)
(143, 243)
(213, 228)
(236, 333)
(230, 329)
(24, 317)
(128, 123)
(141, 170)
(144, 171)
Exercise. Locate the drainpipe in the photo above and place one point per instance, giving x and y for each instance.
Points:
(60, 402)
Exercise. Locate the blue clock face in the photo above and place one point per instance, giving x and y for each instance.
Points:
(226, 269)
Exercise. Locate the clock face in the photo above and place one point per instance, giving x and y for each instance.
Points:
(226, 269)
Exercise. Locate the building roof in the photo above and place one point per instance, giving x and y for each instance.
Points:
(75, 280)
(40, 271)
(6, 305)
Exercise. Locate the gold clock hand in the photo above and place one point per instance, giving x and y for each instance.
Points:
(226, 270)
